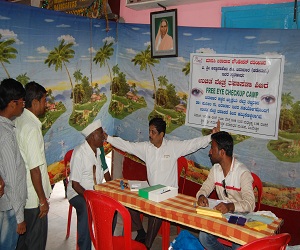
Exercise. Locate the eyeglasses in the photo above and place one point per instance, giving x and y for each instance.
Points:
(224, 186)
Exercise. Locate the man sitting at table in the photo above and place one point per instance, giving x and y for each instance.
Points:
(86, 170)
(160, 156)
(232, 181)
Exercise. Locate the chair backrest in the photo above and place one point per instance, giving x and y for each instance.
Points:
(67, 159)
(274, 242)
(182, 164)
(258, 185)
(101, 210)
(133, 170)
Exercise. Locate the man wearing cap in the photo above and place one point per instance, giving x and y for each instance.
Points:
(86, 170)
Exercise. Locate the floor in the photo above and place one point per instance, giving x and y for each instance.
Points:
(58, 217)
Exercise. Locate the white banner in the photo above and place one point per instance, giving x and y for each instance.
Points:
(242, 91)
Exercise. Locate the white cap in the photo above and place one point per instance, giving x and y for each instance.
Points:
(91, 128)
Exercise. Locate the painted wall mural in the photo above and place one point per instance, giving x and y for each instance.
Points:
(91, 73)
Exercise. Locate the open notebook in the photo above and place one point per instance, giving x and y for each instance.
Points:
(136, 185)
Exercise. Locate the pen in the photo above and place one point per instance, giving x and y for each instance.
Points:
(165, 191)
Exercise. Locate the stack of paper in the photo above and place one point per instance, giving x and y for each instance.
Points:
(136, 185)
(257, 225)
(209, 212)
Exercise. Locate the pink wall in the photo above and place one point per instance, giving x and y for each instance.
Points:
(205, 14)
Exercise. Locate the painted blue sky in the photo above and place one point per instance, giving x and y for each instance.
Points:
(38, 33)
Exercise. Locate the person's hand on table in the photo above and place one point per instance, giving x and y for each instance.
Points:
(202, 201)
(225, 207)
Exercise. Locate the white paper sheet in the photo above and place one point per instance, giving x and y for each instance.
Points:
(136, 185)
(212, 202)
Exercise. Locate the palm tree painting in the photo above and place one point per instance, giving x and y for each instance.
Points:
(287, 116)
(103, 55)
(124, 100)
(23, 78)
(77, 75)
(59, 57)
(7, 52)
(114, 83)
(186, 69)
(161, 96)
(286, 100)
(145, 61)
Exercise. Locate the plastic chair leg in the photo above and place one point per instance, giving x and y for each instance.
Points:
(165, 227)
(77, 247)
(69, 221)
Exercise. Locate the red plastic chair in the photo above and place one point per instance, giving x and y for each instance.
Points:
(101, 210)
(258, 185)
(274, 242)
(67, 159)
(165, 227)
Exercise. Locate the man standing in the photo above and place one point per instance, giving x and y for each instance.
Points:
(160, 156)
(12, 167)
(163, 40)
(31, 143)
(86, 170)
(232, 181)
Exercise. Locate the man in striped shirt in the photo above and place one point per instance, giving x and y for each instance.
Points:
(12, 167)
(232, 181)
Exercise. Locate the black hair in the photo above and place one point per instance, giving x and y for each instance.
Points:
(33, 91)
(10, 89)
(159, 124)
(224, 141)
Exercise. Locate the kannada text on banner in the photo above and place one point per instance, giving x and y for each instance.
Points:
(242, 91)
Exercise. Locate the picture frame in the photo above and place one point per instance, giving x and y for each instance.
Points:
(164, 34)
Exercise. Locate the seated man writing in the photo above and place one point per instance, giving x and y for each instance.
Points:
(232, 181)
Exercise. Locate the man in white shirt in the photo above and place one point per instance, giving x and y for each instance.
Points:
(160, 156)
(232, 181)
(86, 170)
(31, 143)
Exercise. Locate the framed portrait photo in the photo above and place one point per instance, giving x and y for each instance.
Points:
(163, 29)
